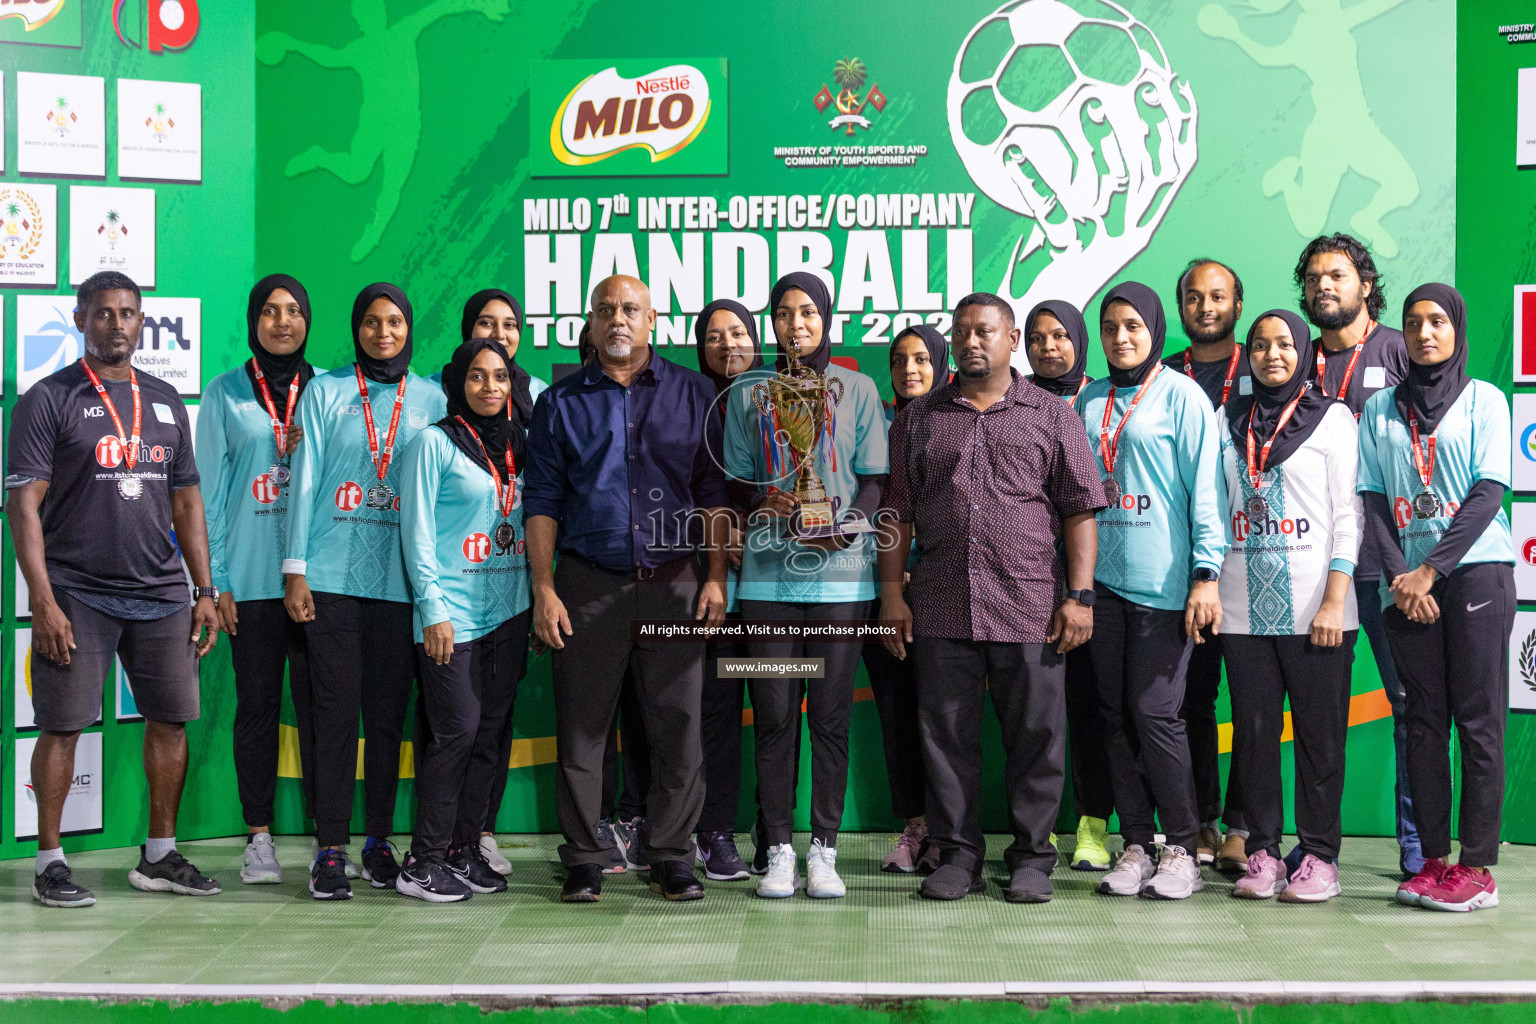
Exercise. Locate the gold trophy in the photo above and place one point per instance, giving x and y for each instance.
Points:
(795, 402)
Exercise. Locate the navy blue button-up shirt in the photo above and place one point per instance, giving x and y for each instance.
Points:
(624, 469)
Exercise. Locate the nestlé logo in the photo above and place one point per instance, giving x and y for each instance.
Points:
(607, 113)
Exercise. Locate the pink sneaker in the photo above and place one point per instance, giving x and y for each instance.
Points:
(1315, 881)
(1462, 889)
(1429, 876)
(1264, 879)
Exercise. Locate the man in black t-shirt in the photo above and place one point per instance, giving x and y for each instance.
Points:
(1210, 300)
(104, 508)
(1341, 294)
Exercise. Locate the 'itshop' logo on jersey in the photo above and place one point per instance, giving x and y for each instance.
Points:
(477, 548)
(1135, 504)
(1242, 528)
(264, 489)
(348, 496)
(110, 451)
(1402, 511)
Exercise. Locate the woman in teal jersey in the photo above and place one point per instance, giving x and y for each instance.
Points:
(814, 580)
(246, 435)
(495, 314)
(1161, 542)
(1056, 342)
(919, 362)
(461, 529)
(345, 578)
(1434, 466)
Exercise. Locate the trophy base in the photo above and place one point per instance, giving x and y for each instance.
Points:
(814, 520)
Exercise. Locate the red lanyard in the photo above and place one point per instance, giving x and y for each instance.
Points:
(382, 465)
(1256, 470)
(1349, 371)
(1425, 465)
(506, 496)
(1226, 387)
(1110, 447)
(281, 428)
(130, 443)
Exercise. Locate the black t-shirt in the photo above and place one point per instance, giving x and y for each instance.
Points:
(1212, 376)
(1383, 364)
(94, 539)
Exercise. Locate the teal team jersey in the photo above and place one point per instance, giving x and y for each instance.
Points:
(1168, 522)
(1472, 443)
(247, 510)
(774, 569)
(341, 541)
(459, 570)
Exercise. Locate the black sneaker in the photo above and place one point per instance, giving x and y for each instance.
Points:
(56, 887)
(172, 873)
(328, 877)
(379, 866)
(631, 837)
(607, 836)
(428, 879)
(717, 854)
(471, 867)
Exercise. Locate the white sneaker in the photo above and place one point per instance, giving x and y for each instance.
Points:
(782, 878)
(1178, 875)
(493, 855)
(259, 865)
(348, 865)
(1130, 873)
(822, 881)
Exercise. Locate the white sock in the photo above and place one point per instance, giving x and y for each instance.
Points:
(46, 857)
(156, 849)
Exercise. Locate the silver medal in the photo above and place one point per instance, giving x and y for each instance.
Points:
(1425, 505)
(279, 475)
(130, 488)
(505, 535)
(1257, 509)
(1112, 491)
(382, 497)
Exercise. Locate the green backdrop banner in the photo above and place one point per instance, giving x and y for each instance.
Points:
(1049, 148)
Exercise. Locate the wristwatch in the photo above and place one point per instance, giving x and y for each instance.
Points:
(1204, 575)
(1083, 597)
(212, 593)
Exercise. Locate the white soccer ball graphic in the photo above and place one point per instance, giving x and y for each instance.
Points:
(1076, 122)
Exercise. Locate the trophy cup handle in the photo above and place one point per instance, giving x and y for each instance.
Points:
(760, 397)
(835, 386)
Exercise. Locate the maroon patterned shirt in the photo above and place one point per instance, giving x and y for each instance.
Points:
(986, 493)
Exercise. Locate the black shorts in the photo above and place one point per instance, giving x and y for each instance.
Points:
(158, 656)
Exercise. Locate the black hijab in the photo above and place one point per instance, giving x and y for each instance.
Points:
(822, 299)
(1146, 303)
(521, 408)
(701, 329)
(497, 431)
(1267, 403)
(938, 355)
(1077, 330)
(1430, 391)
(382, 371)
(280, 371)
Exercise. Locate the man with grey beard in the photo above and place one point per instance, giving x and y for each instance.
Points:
(619, 471)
